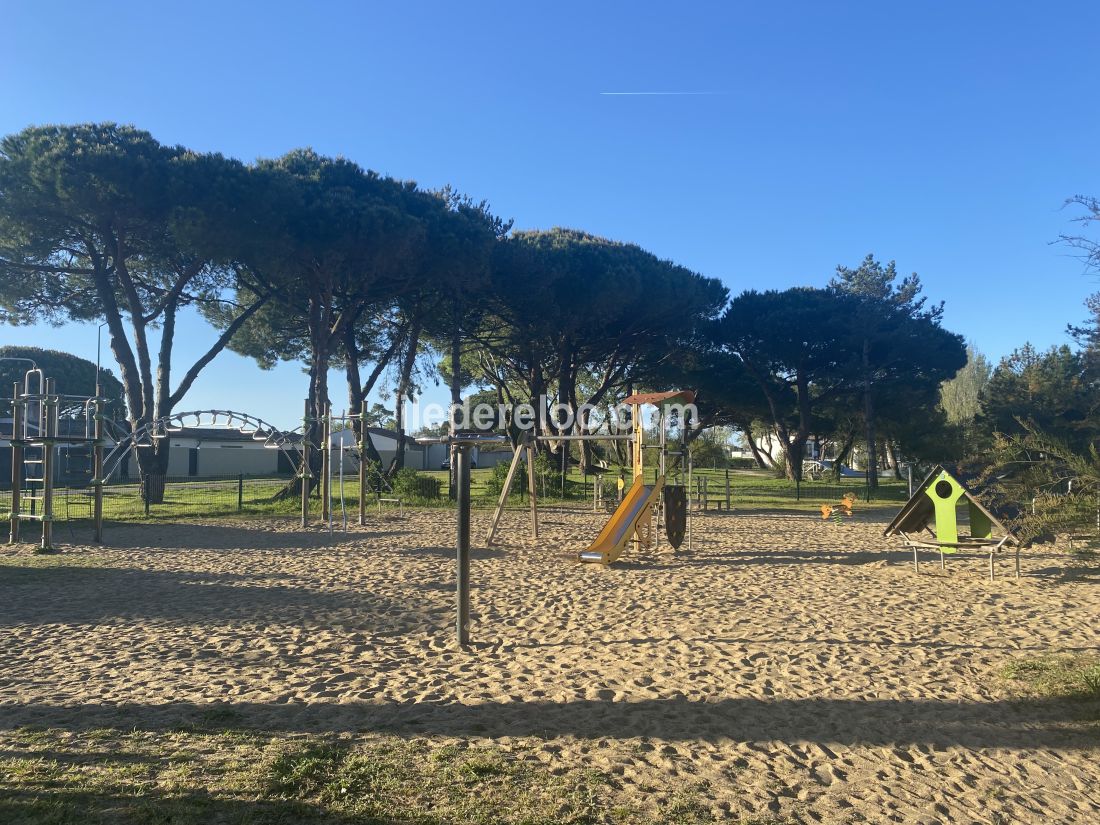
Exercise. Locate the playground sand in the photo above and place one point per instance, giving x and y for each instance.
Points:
(786, 668)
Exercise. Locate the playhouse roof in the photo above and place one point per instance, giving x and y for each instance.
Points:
(658, 398)
(919, 509)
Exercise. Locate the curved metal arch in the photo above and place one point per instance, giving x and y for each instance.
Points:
(288, 441)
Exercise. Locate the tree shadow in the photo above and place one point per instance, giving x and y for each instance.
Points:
(65, 806)
(1013, 724)
(747, 558)
(74, 595)
(254, 536)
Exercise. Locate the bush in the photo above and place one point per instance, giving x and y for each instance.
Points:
(410, 484)
(740, 463)
(495, 483)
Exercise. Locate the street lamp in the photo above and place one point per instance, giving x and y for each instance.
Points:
(98, 349)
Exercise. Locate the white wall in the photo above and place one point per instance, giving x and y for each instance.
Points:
(223, 460)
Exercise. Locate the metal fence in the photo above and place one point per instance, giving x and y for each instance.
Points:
(163, 497)
(189, 497)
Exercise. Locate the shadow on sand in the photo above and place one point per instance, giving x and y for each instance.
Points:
(75, 595)
(871, 722)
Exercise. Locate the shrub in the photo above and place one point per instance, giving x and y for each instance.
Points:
(410, 484)
(495, 483)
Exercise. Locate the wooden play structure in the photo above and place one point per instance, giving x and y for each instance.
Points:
(642, 503)
(936, 502)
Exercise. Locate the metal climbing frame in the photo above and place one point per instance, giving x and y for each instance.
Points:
(35, 437)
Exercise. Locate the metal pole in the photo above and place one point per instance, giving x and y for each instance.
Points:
(727, 489)
(18, 411)
(326, 465)
(240, 492)
(304, 475)
(462, 624)
(98, 350)
(362, 463)
(50, 415)
(343, 504)
(564, 466)
(690, 517)
(97, 469)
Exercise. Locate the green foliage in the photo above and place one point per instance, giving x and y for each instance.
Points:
(73, 375)
(709, 453)
(413, 486)
(379, 416)
(1050, 392)
(100, 221)
(961, 396)
(547, 471)
(1055, 484)
(576, 315)
(1055, 676)
(499, 474)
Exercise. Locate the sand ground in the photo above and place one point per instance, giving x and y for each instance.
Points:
(785, 665)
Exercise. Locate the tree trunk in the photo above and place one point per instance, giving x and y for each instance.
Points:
(843, 453)
(892, 456)
(403, 382)
(357, 392)
(756, 453)
(793, 451)
(869, 418)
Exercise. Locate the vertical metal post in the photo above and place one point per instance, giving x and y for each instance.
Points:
(690, 517)
(362, 463)
(49, 412)
(727, 489)
(240, 492)
(97, 470)
(304, 475)
(343, 504)
(326, 463)
(909, 467)
(462, 625)
(18, 412)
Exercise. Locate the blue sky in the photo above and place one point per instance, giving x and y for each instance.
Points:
(943, 135)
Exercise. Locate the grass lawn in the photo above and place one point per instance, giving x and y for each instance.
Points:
(210, 771)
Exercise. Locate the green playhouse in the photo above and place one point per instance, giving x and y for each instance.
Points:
(936, 502)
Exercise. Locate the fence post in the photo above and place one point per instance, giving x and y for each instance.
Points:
(145, 492)
(798, 489)
(727, 489)
(240, 492)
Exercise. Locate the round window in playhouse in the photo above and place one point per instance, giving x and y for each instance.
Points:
(943, 489)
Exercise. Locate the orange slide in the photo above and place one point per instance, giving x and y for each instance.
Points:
(635, 507)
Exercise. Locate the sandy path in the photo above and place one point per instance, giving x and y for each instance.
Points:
(786, 665)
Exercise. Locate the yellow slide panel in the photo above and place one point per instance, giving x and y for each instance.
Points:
(635, 506)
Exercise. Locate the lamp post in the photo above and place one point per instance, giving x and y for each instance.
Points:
(98, 351)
